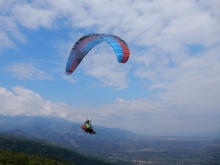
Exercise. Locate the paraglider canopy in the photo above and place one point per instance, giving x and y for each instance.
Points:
(87, 42)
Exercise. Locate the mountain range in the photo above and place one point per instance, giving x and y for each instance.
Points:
(67, 134)
(114, 145)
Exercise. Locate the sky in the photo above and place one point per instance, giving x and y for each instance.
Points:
(169, 86)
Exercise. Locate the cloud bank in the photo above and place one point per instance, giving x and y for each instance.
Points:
(140, 116)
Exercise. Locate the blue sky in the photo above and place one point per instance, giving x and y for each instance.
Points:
(169, 86)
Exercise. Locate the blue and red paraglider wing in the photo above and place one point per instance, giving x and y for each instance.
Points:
(86, 43)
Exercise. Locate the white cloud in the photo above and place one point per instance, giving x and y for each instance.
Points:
(140, 116)
(167, 26)
(6, 42)
(160, 23)
(101, 63)
(22, 101)
(33, 16)
(70, 79)
(158, 118)
(194, 79)
(27, 71)
(120, 100)
(9, 32)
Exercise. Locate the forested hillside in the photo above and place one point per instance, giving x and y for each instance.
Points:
(15, 150)
(8, 157)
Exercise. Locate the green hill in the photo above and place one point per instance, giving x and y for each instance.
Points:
(28, 151)
(8, 157)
